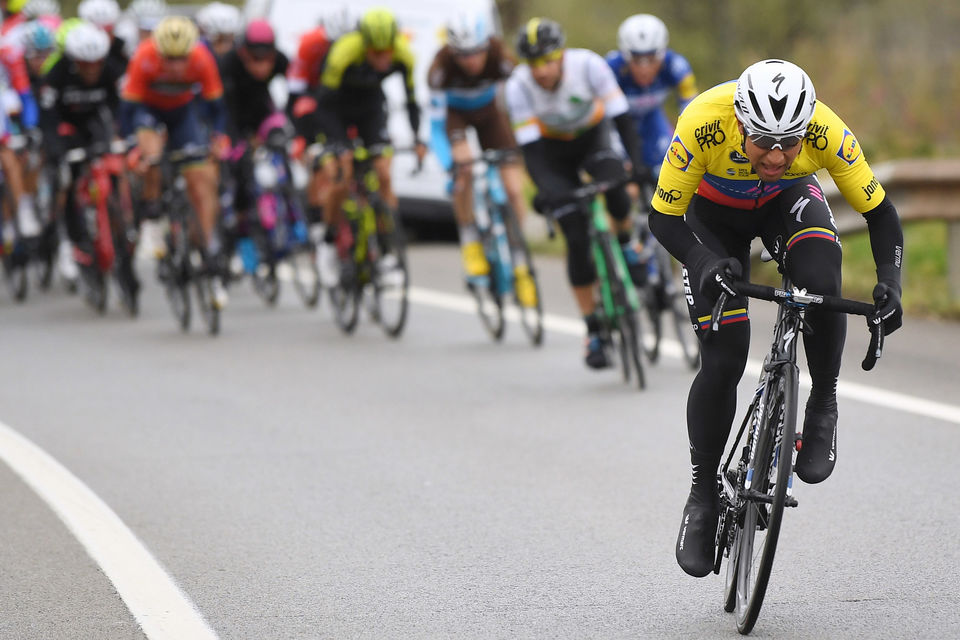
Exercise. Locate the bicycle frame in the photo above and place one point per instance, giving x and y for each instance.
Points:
(599, 225)
(488, 214)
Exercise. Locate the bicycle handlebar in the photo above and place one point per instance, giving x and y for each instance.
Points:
(804, 299)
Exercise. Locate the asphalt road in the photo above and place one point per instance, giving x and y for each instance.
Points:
(299, 484)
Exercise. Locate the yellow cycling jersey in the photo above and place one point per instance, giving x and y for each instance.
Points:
(346, 64)
(705, 158)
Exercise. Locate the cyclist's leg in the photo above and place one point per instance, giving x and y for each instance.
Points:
(604, 164)
(494, 132)
(712, 401)
(186, 131)
(474, 261)
(802, 235)
(150, 140)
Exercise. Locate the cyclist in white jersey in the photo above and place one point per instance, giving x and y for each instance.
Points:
(561, 103)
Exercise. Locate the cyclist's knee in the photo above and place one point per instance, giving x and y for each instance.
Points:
(618, 203)
(723, 356)
(814, 264)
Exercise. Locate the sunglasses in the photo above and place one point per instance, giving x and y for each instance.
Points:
(469, 53)
(765, 141)
(261, 54)
(553, 56)
(644, 58)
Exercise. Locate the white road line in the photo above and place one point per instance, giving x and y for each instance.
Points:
(574, 327)
(162, 610)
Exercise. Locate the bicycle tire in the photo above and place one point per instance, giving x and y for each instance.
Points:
(16, 276)
(651, 339)
(202, 284)
(306, 276)
(753, 570)
(266, 285)
(391, 286)
(627, 319)
(345, 299)
(174, 272)
(531, 318)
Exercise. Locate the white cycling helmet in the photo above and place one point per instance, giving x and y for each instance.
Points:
(148, 13)
(103, 13)
(219, 19)
(87, 42)
(642, 34)
(468, 32)
(37, 8)
(774, 98)
(338, 22)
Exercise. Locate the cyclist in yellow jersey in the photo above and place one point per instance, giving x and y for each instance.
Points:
(350, 96)
(740, 166)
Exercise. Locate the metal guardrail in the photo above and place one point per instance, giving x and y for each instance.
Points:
(921, 189)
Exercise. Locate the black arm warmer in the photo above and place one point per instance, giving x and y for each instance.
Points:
(628, 136)
(413, 112)
(535, 158)
(886, 240)
(675, 236)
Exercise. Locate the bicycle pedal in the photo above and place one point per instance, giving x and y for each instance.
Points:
(791, 502)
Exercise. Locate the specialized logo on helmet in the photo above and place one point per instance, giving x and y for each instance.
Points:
(779, 80)
(678, 154)
(849, 150)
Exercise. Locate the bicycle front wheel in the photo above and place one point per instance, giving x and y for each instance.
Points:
(627, 319)
(391, 276)
(203, 285)
(769, 473)
(306, 277)
(531, 311)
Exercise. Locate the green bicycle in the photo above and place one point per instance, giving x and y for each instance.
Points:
(618, 304)
(373, 256)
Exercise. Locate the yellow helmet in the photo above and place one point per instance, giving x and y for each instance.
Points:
(175, 36)
(378, 26)
(15, 6)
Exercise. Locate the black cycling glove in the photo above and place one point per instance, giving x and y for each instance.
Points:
(886, 298)
(717, 275)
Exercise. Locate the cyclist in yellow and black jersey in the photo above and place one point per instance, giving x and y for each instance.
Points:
(350, 95)
(740, 166)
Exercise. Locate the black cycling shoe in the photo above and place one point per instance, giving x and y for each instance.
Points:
(818, 454)
(596, 357)
(697, 540)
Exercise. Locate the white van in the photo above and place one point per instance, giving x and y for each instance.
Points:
(424, 195)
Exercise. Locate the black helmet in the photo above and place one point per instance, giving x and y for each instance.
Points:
(539, 37)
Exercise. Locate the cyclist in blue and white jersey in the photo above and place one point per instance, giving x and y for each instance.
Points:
(648, 72)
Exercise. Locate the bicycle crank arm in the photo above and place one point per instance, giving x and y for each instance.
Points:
(756, 496)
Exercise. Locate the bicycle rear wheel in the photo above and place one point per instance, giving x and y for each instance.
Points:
(652, 336)
(391, 275)
(770, 477)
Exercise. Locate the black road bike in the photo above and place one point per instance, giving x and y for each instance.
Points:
(756, 480)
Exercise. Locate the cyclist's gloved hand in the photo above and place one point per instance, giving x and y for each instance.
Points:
(642, 175)
(541, 203)
(886, 298)
(717, 275)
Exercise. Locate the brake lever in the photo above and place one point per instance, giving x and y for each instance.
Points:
(875, 348)
(718, 312)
